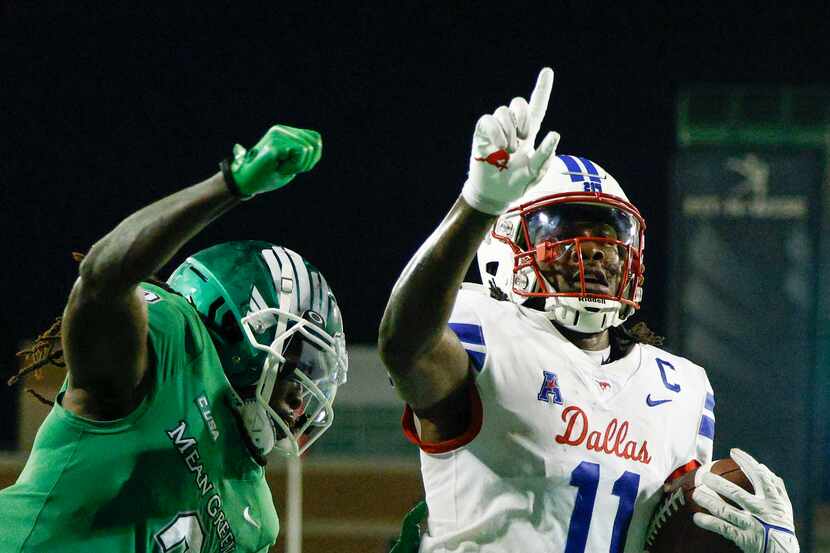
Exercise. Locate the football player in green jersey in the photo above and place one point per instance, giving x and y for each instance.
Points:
(176, 392)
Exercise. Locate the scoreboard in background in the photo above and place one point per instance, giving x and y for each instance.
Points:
(748, 226)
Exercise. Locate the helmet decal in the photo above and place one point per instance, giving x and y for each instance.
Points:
(578, 174)
(257, 303)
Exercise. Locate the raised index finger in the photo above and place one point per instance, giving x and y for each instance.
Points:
(539, 98)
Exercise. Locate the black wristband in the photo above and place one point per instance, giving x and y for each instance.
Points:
(230, 182)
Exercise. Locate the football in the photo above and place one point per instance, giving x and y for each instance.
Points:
(672, 529)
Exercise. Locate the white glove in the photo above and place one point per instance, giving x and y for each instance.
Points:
(764, 524)
(503, 162)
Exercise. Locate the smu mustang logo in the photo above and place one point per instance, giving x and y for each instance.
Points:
(550, 392)
(499, 159)
(611, 442)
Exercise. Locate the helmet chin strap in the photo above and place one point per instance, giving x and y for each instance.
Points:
(570, 313)
(259, 426)
(567, 312)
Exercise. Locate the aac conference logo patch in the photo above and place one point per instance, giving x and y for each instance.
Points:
(550, 392)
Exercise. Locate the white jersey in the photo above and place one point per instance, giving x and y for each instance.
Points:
(562, 454)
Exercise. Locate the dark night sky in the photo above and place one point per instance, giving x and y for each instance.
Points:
(106, 112)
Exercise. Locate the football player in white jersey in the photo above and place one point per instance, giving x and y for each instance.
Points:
(544, 423)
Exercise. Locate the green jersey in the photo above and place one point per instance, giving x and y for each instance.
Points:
(173, 476)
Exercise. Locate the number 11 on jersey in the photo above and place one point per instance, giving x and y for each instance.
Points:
(585, 478)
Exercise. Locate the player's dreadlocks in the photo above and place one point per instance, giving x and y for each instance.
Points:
(623, 338)
(48, 350)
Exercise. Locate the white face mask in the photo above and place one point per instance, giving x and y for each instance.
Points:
(318, 364)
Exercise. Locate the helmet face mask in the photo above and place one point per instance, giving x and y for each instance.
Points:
(278, 331)
(305, 355)
(573, 243)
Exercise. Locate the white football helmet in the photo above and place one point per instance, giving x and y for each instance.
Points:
(573, 239)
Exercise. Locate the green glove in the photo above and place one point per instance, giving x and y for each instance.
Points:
(275, 160)
(410, 539)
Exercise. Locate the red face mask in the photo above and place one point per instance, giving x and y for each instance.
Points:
(580, 245)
